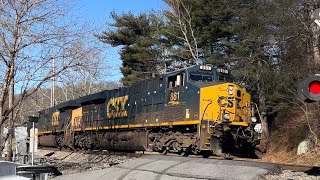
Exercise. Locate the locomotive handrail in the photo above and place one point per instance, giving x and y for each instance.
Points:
(258, 113)
(205, 109)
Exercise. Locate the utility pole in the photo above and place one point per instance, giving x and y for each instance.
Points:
(53, 82)
(33, 143)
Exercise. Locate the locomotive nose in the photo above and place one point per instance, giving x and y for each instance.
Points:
(225, 102)
(243, 105)
(239, 109)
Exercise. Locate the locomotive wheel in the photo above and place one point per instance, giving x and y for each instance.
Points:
(185, 152)
(164, 151)
(206, 154)
(228, 157)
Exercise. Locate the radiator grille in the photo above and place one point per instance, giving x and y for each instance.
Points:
(174, 113)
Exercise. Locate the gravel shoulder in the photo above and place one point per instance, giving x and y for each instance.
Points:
(286, 174)
(76, 162)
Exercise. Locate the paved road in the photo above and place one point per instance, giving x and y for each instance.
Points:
(160, 167)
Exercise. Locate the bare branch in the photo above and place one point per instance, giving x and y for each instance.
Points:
(181, 20)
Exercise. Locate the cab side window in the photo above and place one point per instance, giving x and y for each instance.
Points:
(176, 80)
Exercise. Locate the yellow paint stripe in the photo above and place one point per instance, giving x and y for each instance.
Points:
(189, 122)
(240, 123)
(49, 132)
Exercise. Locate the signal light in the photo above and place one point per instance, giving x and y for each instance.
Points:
(314, 87)
(309, 89)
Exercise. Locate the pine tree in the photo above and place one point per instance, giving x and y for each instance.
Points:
(205, 27)
(140, 43)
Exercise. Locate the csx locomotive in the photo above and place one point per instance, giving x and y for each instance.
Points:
(196, 110)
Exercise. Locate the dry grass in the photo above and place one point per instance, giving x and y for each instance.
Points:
(311, 158)
(287, 133)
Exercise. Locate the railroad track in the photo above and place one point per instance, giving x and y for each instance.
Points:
(103, 152)
(282, 166)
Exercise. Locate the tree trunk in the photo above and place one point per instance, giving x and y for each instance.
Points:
(314, 28)
(10, 107)
(262, 108)
(315, 44)
(1, 139)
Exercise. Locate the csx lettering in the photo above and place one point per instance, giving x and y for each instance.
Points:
(55, 119)
(228, 102)
(116, 107)
(76, 121)
(225, 102)
(238, 103)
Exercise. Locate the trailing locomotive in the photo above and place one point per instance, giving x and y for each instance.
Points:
(196, 110)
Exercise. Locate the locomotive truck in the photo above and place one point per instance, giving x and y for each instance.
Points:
(195, 110)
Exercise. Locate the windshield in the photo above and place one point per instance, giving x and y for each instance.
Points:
(209, 76)
(225, 77)
(201, 77)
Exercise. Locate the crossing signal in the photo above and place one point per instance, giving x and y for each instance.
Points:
(314, 87)
(309, 89)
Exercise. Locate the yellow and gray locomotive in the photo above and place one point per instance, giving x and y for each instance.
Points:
(196, 110)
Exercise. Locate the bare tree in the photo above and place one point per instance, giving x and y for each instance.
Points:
(72, 83)
(305, 16)
(181, 21)
(304, 13)
(31, 32)
(308, 111)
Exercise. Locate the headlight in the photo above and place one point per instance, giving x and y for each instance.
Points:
(258, 128)
(230, 90)
(253, 119)
(226, 116)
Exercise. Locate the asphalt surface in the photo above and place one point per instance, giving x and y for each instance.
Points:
(159, 167)
(7, 168)
(8, 171)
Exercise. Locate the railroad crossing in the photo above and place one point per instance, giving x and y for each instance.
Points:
(174, 167)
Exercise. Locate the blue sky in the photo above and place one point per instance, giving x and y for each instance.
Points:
(98, 12)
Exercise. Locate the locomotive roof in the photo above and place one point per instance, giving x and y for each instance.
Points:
(102, 95)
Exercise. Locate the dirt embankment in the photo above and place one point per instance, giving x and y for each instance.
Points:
(288, 130)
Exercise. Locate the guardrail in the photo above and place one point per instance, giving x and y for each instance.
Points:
(41, 170)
